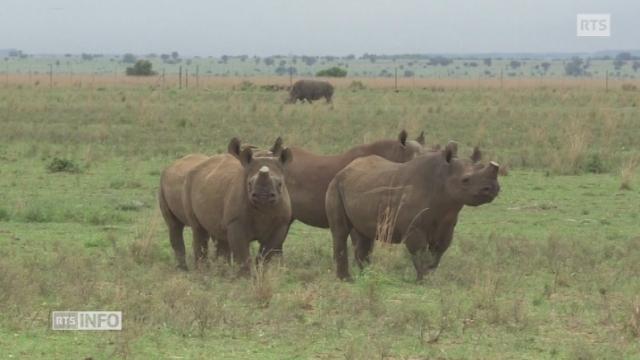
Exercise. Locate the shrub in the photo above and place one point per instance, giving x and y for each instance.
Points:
(63, 165)
(4, 215)
(332, 72)
(141, 68)
(629, 87)
(595, 164)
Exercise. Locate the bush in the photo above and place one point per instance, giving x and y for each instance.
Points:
(4, 215)
(332, 72)
(141, 68)
(62, 165)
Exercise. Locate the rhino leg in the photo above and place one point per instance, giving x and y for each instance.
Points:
(273, 245)
(223, 250)
(340, 228)
(200, 245)
(363, 247)
(176, 229)
(177, 243)
(239, 240)
(416, 243)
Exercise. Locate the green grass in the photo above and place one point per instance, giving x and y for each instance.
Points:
(548, 270)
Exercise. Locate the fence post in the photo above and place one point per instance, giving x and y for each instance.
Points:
(186, 78)
(501, 79)
(396, 78)
(197, 76)
(606, 80)
(163, 77)
(50, 75)
(180, 77)
(290, 76)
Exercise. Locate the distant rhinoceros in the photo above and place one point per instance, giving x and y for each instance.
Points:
(233, 198)
(310, 90)
(416, 202)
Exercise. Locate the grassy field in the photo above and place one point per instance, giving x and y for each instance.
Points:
(548, 270)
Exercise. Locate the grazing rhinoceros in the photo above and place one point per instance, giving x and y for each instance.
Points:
(310, 90)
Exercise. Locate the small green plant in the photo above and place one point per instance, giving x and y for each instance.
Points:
(356, 85)
(63, 165)
(332, 72)
(4, 214)
(594, 164)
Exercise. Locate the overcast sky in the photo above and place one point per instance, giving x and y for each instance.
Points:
(339, 27)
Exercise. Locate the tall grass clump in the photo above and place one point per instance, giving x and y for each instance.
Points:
(628, 172)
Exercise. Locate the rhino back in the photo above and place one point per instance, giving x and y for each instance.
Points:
(172, 183)
(213, 193)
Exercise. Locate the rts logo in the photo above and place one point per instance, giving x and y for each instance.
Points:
(594, 25)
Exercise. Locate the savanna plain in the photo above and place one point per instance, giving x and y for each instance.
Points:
(550, 269)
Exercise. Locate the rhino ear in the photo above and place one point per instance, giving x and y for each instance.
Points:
(286, 156)
(420, 139)
(477, 155)
(246, 156)
(234, 147)
(450, 151)
(403, 137)
(277, 147)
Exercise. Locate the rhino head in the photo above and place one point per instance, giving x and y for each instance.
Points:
(264, 172)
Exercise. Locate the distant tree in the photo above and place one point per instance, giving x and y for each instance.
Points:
(189, 61)
(618, 63)
(282, 63)
(332, 72)
(141, 68)
(87, 57)
(309, 60)
(165, 57)
(330, 58)
(514, 64)
(574, 67)
(175, 55)
(487, 61)
(545, 66)
(440, 60)
(635, 66)
(409, 73)
(129, 58)
(268, 61)
(224, 59)
(350, 57)
(624, 56)
(283, 70)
